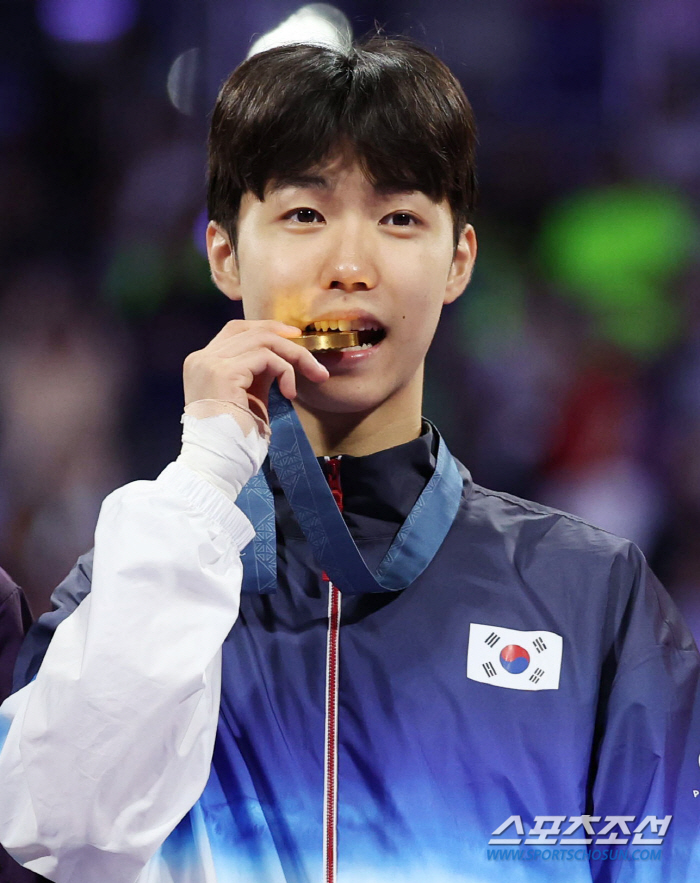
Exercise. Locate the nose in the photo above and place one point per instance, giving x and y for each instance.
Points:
(350, 263)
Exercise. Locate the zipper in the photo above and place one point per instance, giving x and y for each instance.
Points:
(330, 777)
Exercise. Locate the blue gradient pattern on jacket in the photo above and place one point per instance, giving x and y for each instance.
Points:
(431, 762)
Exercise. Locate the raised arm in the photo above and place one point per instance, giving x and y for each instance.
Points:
(110, 746)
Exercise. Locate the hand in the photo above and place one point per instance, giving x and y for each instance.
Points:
(241, 362)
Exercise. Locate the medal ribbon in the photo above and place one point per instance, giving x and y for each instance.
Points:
(305, 486)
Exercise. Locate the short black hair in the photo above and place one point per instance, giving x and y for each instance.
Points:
(388, 102)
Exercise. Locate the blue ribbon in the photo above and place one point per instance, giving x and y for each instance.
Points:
(306, 488)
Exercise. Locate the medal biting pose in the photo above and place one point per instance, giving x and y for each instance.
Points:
(314, 649)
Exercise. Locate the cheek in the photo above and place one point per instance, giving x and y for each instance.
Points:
(416, 327)
(427, 270)
(255, 293)
(423, 310)
(270, 291)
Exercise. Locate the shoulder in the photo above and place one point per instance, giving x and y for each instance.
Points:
(8, 588)
(581, 574)
(14, 621)
(14, 610)
(552, 554)
(519, 524)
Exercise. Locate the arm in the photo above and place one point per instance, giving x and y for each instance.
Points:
(110, 746)
(15, 619)
(646, 731)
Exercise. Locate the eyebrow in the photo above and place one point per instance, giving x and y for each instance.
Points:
(395, 189)
(315, 182)
(318, 182)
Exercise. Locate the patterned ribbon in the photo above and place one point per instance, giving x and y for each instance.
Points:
(305, 486)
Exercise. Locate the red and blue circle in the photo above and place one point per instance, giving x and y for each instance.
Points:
(514, 659)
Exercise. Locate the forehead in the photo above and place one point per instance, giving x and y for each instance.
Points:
(343, 173)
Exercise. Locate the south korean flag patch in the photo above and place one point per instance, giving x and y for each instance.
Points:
(514, 659)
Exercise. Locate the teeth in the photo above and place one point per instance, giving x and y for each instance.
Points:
(343, 325)
(360, 346)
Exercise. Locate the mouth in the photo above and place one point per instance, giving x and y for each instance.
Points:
(344, 335)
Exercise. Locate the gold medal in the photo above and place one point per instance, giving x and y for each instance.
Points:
(328, 340)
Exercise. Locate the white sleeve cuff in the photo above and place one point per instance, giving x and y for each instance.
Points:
(207, 499)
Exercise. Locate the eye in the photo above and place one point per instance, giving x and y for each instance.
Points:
(304, 216)
(400, 219)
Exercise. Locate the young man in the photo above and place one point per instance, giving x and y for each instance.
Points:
(437, 666)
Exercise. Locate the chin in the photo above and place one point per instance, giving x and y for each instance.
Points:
(334, 399)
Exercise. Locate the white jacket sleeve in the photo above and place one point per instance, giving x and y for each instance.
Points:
(111, 744)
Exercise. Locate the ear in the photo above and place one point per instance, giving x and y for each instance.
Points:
(222, 261)
(462, 265)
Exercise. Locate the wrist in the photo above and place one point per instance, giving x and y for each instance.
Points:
(254, 416)
(216, 445)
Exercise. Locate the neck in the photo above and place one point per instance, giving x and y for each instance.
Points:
(366, 432)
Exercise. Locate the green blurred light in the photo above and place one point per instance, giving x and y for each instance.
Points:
(616, 251)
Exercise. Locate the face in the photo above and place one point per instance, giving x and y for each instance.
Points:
(331, 250)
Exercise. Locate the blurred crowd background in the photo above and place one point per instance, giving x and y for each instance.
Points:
(569, 372)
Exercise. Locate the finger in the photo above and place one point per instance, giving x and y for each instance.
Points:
(261, 367)
(239, 326)
(287, 382)
(266, 367)
(302, 359)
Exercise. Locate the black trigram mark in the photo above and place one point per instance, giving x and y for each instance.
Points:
(492, 639)
(539, 645)
(490, 670)
(536, 675)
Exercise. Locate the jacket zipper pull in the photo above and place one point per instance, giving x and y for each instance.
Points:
(333, 464)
